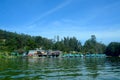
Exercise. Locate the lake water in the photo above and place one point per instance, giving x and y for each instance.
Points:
(60, 69)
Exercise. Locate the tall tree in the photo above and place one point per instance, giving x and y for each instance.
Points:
(92, 46)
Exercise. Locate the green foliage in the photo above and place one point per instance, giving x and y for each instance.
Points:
(92, 46)
(113, 49)
(10, 42)
(16, 41)
(68, 44)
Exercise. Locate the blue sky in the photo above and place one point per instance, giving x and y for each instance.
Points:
(48, 18)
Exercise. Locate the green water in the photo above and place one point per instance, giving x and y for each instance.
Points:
(60, 69)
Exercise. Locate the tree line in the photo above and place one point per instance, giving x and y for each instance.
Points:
(12, 41)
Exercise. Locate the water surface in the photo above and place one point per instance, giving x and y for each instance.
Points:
(60, 69)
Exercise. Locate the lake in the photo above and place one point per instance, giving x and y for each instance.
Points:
(80, 68)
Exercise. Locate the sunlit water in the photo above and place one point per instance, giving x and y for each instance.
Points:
(60, 69)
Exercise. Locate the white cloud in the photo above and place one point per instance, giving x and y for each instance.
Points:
(65, 3)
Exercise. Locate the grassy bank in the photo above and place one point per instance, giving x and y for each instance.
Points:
(4, 54)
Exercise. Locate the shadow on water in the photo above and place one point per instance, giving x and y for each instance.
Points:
(113, 61)
(85, 68)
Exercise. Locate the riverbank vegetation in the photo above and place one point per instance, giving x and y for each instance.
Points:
(11, 41)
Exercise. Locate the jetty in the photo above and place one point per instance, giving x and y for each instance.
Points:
(82, 55)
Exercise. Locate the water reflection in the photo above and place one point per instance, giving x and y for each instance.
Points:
(60, 69)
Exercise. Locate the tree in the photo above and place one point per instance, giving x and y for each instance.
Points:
(39, 41)
(92, 46)
(68, 44)
(113, 49)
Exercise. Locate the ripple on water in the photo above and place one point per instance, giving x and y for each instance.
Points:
(60, 69)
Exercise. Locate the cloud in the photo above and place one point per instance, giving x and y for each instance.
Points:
(65, 3)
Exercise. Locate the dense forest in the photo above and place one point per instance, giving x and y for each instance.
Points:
(11, 41)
